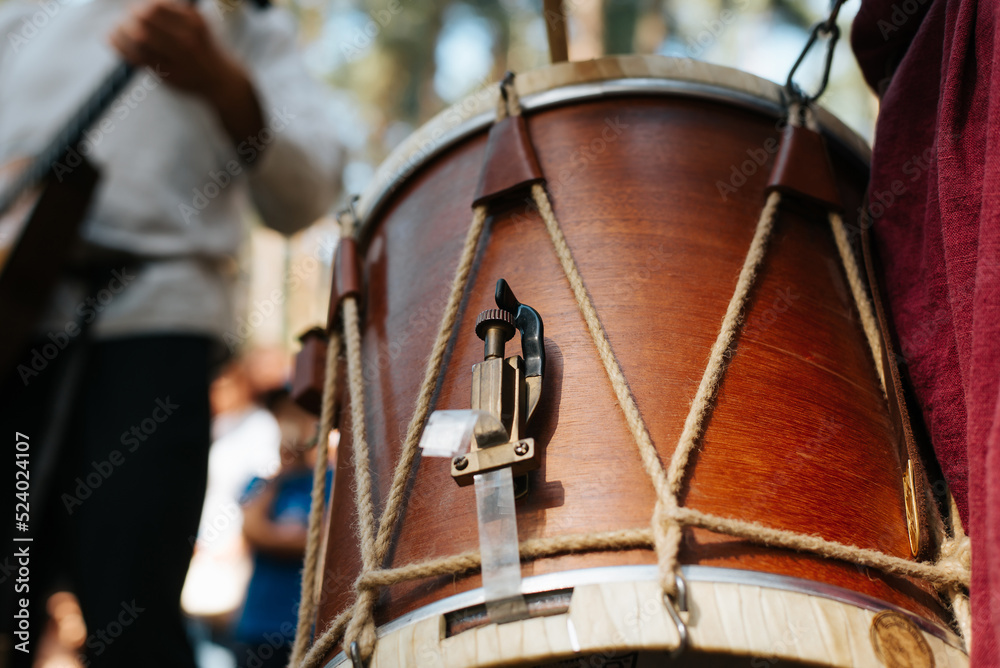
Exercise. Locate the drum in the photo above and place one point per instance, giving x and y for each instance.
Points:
(657, 170)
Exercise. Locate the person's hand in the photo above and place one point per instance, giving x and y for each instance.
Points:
(287, 541)
(173, 39)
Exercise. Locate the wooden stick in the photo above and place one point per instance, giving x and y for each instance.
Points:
(555, 26)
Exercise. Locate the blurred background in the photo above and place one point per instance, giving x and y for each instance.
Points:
(390, 65)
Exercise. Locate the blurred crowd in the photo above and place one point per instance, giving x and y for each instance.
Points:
(242, 590)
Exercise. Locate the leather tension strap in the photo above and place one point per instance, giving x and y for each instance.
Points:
(510, 162)
(346, 279)
(799, 170)
(310, 370)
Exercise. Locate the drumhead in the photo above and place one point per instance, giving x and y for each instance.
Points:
(613, 76)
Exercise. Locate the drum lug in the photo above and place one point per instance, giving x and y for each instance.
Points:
(505, 391)
(347, 274)
(508, 388)
(520, 456)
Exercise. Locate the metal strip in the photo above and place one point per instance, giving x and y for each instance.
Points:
(499, 547)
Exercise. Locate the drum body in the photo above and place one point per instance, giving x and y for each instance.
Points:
(656, 169)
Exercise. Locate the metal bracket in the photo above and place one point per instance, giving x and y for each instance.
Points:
(506, 388)
(520, 456)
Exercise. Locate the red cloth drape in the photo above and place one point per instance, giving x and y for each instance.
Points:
(935, 199)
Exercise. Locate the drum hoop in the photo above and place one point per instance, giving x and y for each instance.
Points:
(676, 77)
(638, 573)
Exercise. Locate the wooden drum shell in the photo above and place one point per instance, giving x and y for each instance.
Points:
(800, 437)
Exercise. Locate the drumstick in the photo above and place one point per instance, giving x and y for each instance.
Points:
(555, 25)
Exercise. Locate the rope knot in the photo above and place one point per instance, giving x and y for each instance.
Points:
(956, 556)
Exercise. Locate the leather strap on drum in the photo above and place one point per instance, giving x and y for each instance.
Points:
(802, 167)
(510, 161)
(310, 370)
(310, 361)
(799, 172)
(346, 278)
(910, 456)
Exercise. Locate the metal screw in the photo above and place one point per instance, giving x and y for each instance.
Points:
(461, 463)
(521, 449)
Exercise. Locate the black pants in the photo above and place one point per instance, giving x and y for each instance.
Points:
(119, 513)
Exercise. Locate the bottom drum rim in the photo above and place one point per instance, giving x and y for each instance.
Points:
(645, 572)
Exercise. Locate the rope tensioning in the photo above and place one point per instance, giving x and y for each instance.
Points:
(309, 599)
(356, 624)
(360, 614)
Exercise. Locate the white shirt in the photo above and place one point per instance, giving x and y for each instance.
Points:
(245, 446)
(173, 186)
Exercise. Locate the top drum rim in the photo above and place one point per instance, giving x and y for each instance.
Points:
(612, 76)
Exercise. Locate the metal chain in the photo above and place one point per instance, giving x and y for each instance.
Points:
(827, 28)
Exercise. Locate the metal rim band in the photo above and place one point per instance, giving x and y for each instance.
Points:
(683, 78)
(636, 573)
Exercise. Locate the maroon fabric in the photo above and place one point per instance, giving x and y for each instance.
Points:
(935, 203)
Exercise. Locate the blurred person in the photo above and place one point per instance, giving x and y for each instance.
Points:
(219, 113)
(275, 524)
(64, 633)
(245, 442)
